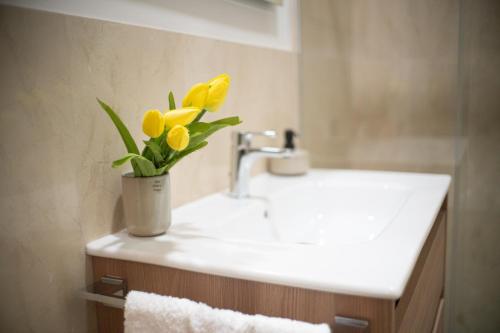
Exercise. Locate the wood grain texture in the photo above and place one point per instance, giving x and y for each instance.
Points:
(416, 310)
(109, 320)
(246, 296)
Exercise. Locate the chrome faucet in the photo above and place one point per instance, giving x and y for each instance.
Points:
(243, 156)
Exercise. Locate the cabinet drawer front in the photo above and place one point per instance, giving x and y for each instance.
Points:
(417, 308)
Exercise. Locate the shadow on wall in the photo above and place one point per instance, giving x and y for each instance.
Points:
(474, 291)
(118, 217)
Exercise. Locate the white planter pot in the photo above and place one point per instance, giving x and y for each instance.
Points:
(146, 202)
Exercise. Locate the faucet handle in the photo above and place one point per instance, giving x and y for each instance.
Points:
(246, 137)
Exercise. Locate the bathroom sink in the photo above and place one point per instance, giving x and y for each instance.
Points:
(350, 232)
(330, 209)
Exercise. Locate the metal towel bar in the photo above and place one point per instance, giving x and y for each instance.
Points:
(111, 291)
(106, 300)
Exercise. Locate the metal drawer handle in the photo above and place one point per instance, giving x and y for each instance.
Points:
(346, 324)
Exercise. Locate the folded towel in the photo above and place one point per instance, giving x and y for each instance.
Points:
(151, 313)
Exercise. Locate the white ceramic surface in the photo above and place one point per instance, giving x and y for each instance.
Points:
(353, 232)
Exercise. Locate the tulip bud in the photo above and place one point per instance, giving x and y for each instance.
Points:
(196, 97)
(217, 91)
(178, 137)
(181, 117)
(153, 123)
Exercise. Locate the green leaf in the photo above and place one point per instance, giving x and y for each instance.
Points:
(171, 101)
(122, 129)
(146, 167)
(119, 162)
(155, 150)
(178, 157)
(197, 128)
(188, 151)
(198, 117)
(161, 141)
(148, 154)
(124, 133)
(230, 121)
(162, 150)
(200, 131)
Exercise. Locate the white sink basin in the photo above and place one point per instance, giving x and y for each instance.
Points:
(350, 232)
(331, 209)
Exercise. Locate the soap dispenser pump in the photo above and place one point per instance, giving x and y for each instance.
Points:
(297, 163)
(290, 135)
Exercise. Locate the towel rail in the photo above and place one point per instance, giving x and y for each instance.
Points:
(106, 300)
(111, 291)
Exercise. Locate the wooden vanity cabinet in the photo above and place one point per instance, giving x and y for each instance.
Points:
(419, 309)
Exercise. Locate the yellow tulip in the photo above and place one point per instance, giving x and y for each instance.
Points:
(196, 96)
(153, 123)
(223, 76)
(181, 117)
(217, 91)
(178, 137)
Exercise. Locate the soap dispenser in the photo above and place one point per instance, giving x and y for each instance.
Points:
(297, 163)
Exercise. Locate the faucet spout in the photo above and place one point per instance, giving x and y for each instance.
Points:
(243, 157)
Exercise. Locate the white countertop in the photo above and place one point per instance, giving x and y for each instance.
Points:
(379, 267)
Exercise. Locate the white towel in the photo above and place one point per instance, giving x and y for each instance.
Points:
(151, 313)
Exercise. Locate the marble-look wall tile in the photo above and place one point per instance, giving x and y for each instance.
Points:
(379, 81)
(389, 85)
(58, 190)
(476, 262)
(379, 84)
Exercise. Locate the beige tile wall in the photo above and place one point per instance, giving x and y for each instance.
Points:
(475, 299)
(379, 82)
(414, 85)
(58, 190)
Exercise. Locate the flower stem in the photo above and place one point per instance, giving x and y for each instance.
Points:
(197, 119)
